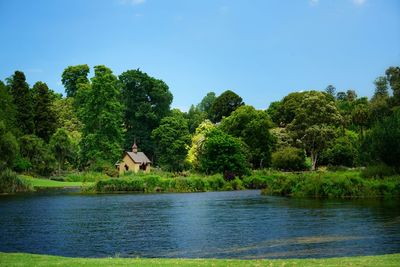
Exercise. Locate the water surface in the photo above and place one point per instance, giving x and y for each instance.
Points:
(240, 224)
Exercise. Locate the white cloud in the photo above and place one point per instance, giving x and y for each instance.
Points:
(359, 2)
(132, 2)
(313, 2)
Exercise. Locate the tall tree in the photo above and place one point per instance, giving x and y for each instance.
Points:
(23, 102)
(101, 115)
(381, 87)
(331, 90)
(224, 105)
(61, 145)
(73, 76)
(207, 102)
(252, 127)
(146, 101)
(315, 122)
(44, 116)
(8, 147)
(393, 76)
(172, 139)
(195, 116)
(7, 108)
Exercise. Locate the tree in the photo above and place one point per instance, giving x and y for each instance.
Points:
(195, 117)
(315, 122)
(341, 96)
(351, 95)
(289, 159)
(22, 99)
(8, 147)
(331, 90)
(172, 139)
(7, 108)
(101, 115)
(393, 76)
(197, 142)
(37, 153)
(383, 141)
(224, 105)
(361, 117)
(381, 87)
(252, 127)
(274, 112)
(206, 103)
(44, 117)
(73, 77)
(223, 153)
(146, 101)
(286, 110)
(61, 146)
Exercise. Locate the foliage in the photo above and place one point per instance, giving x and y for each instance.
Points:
(73, 77)
(283, 112)
(7, 108)
(61, 146)
(377, 171)
(343, 151)
(206, 103)
(37, 155)
(172, 139)
(22, 96)
(393, 76)
(146, 101)
(331, 90)
(8, 147)
(252, 127)
(195, 117)
(67, 118)
(197, 142)
(222, 153)
(101, 115)
(289, 159)
(383, 141)
(224, 105)
(11, 183)
(314, 122)
(44, 117)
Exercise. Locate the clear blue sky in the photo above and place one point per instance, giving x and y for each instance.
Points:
(261, 49)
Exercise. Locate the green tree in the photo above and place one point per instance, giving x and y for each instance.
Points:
(101, 115)
(146, 101)
(315, 122)
(393, 76)
(35, 151)
(381, 87)
(287, 109)
(197, 142)
(383, 141)
(223, 153)
(224, 105)
(206, 103)
(331, 90)
(252, 127)
(7, 108)
(8, 147)
(23, 101)
(73, 77)
(274, 112)
(172, 139)
(61, 146)
(44, 117)
(342, 151)
(289, 159)
(195, 117)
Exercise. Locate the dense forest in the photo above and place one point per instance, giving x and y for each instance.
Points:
(43, 133)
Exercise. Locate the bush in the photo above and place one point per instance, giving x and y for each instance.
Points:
(289, 159)
(378, 171)
(11, 183)
(104, 167)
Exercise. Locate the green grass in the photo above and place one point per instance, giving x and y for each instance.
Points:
(47, 183)
(23, 259)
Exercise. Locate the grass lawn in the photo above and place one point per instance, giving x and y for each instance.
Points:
(37, 182)
(23, 259)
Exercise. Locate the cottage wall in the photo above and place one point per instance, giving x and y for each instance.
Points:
(131, 165)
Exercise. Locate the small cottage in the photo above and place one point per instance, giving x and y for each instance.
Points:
(133, 161)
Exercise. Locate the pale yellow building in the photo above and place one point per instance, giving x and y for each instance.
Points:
(134, 161)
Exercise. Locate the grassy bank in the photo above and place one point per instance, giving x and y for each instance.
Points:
(22, 259)
(47, 183)
(329, 184)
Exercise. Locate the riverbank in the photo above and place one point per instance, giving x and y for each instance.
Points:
(327, 184)
(23, 259)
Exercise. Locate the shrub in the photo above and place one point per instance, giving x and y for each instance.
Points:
(289, 158)
(104, 167)
(378, 171)
(11, 183)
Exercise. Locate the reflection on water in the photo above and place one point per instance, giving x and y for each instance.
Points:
(240, 224)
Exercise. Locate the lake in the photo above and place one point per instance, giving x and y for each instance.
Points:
(239, 224)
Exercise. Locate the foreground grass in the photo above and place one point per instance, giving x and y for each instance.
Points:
(23, 259)
(44, 183)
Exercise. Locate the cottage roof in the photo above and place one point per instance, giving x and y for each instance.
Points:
(138, 157)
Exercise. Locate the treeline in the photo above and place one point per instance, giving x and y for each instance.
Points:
(43, 133)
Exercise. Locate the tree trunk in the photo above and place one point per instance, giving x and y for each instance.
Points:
(314, 156)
